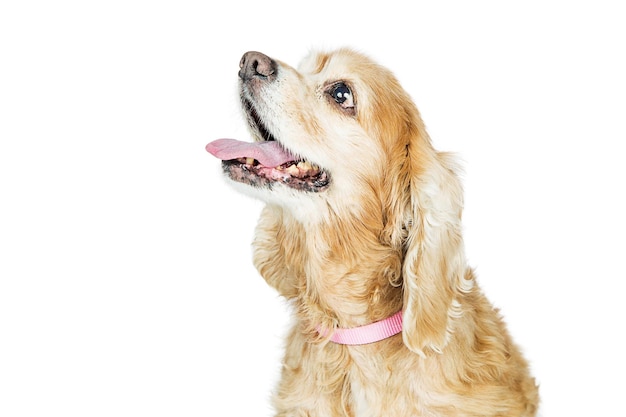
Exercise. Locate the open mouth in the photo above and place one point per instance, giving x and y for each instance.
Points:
(297, 175)
(266, 162)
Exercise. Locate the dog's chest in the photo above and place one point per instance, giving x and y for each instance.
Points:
(362, 396)
(369, 388)
(379, 388)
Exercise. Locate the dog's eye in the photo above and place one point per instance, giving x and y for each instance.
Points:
(342, 94)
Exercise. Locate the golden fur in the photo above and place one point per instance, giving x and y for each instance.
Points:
(385, 236)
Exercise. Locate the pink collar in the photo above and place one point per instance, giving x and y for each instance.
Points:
(369, 333)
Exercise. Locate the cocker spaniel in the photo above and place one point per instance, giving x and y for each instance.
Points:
(362, 234)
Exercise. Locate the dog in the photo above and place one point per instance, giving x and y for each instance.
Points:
(361, 232)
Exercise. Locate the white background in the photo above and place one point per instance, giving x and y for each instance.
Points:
(126, 281)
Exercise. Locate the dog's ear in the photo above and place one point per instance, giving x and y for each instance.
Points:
(434, 262)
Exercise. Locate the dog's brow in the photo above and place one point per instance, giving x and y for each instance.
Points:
(322, 60)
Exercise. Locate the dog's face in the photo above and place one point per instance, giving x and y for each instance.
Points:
(343, 118)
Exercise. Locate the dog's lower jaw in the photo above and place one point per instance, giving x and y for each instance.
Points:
(305, 208)
(310, 209)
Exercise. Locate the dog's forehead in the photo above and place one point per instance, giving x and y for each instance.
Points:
(329, 63)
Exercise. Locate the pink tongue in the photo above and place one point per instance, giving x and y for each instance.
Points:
(270, 154)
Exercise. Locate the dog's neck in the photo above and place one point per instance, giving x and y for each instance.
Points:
(349, 270)
(343, 273)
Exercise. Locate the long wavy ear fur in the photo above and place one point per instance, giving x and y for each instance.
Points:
(434, 262)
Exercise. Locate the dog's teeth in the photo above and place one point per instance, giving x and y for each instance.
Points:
(292, 170)
(305, 165)
(250, 161)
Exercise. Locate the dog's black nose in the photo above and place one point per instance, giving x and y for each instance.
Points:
(255, 64)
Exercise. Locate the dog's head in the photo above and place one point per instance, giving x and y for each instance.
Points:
(330, 127)
(339, 137)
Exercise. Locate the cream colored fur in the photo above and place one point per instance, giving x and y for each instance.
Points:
(385, 236)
